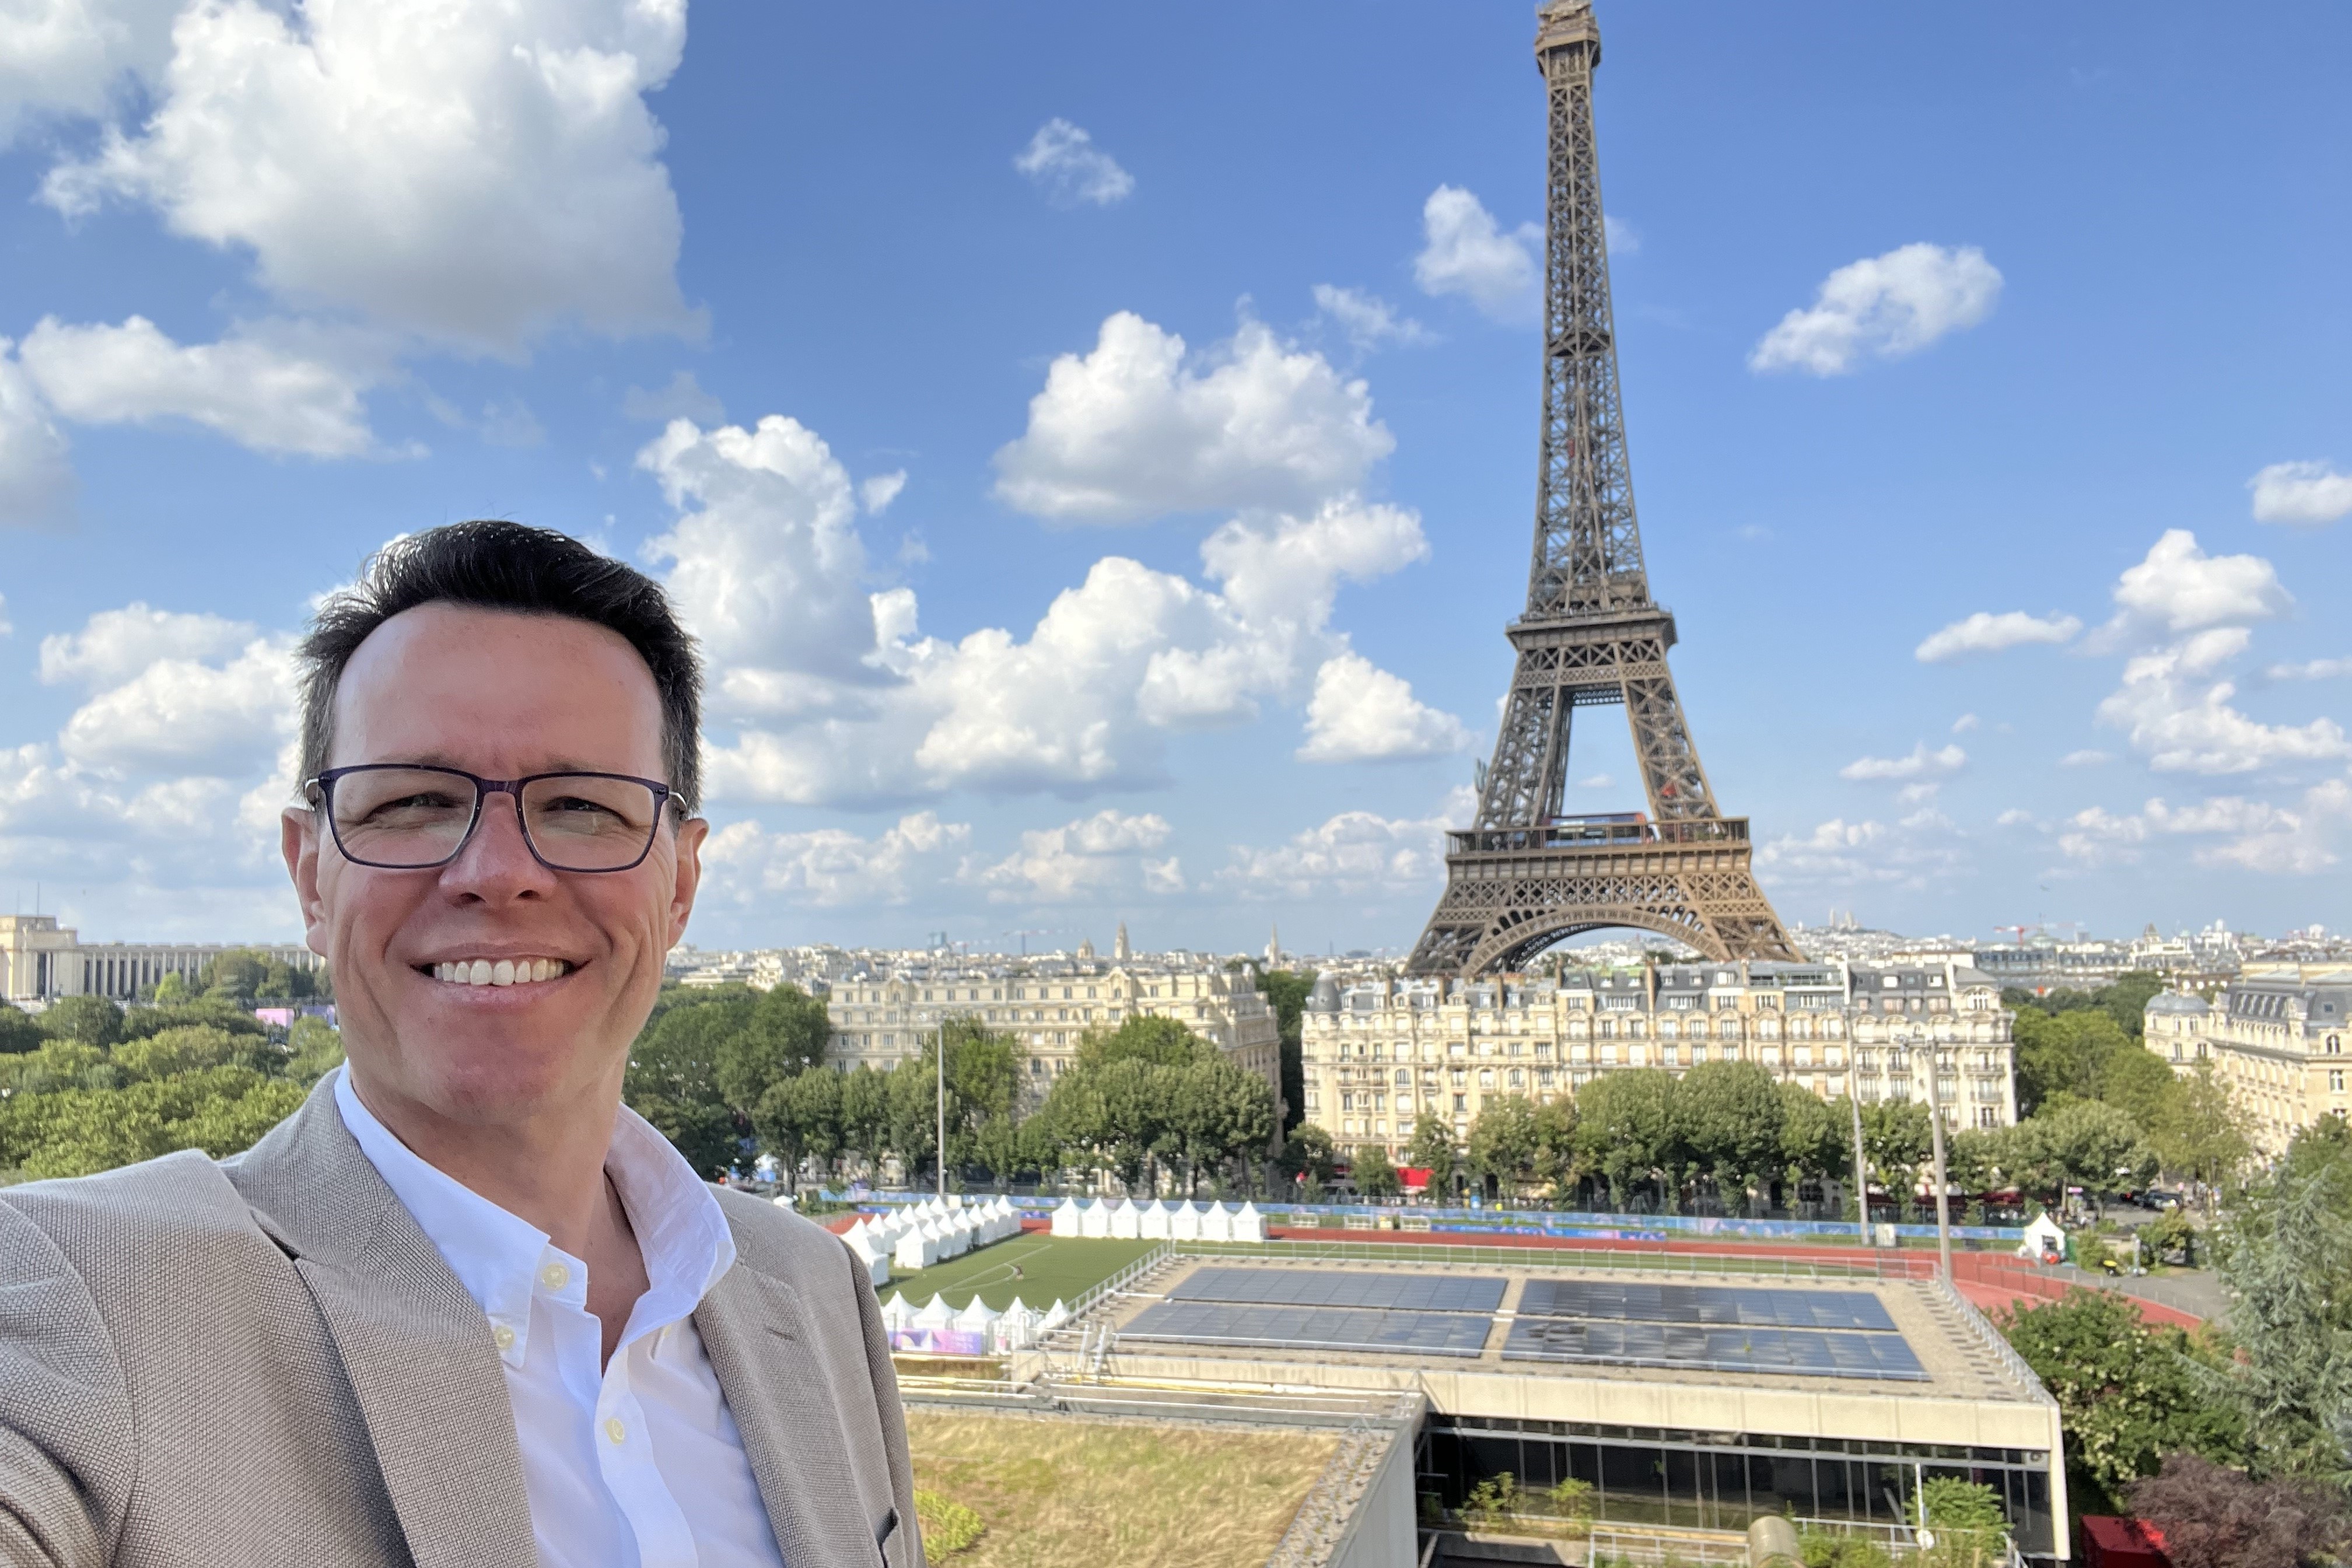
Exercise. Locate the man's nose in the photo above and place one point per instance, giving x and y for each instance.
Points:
(497, 859)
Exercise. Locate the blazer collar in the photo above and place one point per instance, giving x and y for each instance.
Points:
(415, 1346)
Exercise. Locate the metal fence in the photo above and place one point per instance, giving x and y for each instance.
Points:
(1686, 1265)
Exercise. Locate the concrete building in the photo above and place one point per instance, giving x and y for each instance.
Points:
(2275, 1037)
(41, 962)
(882, 1017)
(1382, 1055)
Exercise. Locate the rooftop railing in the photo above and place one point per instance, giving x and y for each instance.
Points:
(1598, 835)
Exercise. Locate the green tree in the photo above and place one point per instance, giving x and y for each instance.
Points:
(1727, 1120)
(780, 1035)
(1433, 1149)
(1307, 1160)
(2202, 1134)
(2285, 1259)
(2083, 1143)
(76, 1132)
(1286, 991)
(18, 1032)
(57, 1065)
(1974, 1157)
(1895, 1139)
(314, 1049)
(1504, 1140)
(1816, 1136)
(1162, 1042)
(236, 974)
(1625, 1130)
(673, 1082)
(190, 1048)
(86, 1020)
(2127, 1393)
(1375, 1175)
(173, 988)
(1556, 1152)
(799, 1119)
(214, 1014)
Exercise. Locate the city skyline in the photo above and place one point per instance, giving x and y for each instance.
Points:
(1163, 584)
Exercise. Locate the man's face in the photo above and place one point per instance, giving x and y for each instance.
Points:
(502, 696)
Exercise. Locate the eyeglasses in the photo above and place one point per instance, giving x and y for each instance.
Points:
(403, 817)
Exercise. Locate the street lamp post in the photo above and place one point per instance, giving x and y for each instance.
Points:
(941, 1160)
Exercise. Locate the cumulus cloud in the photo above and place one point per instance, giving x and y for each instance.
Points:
(181, 715)
(2301, 492)
(114, 646)
(1134, 429)
(1623, 238)
(876, 493)
(1919, 850)
(744, 863)
(2086, 758)
(1063, 161)
(1351, 855)
(1965, 722)
(2311, 669)
(1369, 321)
(2180, 588)
(1882, 307)
(1921, 764)
(77, 59)
(36, 479)
(682, 398)
(473, 175)
(1361, 713)
(1985, 632)
(257, 394)
(2184, 723)
(1082, 859)
(1464, 251)
(2254, 834)
(766, 566)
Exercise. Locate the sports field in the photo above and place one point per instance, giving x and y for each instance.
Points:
(1037, 1267)
(1072, 1493)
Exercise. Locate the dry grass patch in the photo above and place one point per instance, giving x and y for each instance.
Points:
(1067, 1492)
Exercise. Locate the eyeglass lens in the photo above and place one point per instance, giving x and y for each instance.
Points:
(408, 818)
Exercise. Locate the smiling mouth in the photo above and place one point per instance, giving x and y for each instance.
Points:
(498, 971)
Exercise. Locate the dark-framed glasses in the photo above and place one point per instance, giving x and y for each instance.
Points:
(409, 817)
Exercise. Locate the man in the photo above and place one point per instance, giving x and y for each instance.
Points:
(463, 1308)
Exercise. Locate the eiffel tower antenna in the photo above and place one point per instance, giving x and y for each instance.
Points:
(1524, 875)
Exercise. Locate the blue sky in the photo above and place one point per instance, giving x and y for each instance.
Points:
(1984, 375)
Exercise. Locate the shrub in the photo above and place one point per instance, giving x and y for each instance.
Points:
(2215, 1517)
(947, 1526)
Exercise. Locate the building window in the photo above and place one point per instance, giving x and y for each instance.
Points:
(2335, 1080)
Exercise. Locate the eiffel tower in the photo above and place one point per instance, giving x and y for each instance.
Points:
(1524, 875)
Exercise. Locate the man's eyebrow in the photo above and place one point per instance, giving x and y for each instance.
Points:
(438, 758)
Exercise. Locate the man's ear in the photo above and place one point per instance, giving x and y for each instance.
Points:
(690, 834)
(298, 839)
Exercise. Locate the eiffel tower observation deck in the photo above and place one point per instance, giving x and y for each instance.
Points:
(1526, 875)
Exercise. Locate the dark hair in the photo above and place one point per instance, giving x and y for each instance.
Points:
(499, 565)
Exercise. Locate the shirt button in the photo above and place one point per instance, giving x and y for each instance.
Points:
(503, 1337)
(555, 1276)
(615, 1430)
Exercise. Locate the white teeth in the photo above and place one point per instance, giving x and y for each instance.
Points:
(500, 972)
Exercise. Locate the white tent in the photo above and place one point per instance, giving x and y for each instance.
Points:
(1013, 1217)
(1184, 1225)
(896, 1312)
(953, 1242)
(936, 1314)
(1126, 1221)
(1055, 1316)
(872, 1259)
(1248, 1224)
(1152, 1224)
(1217, 1223)
(916, 1250)
(1017, 1329)
(1094, 1219)
(967, 1234)
(2043, 1231)
(1067, 1218)
(976, 1318)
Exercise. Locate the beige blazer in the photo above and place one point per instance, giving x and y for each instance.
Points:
(265, 1362)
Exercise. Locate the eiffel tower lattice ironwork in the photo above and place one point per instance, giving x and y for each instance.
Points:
(1524, 875)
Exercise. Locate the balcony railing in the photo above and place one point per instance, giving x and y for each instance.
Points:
(1590, 835)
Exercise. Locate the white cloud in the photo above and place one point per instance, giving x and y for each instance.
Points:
(1924, 849)
(2016, 816)
(2084, 759)
(1987, 632)
(744, 862)
(1064, 161)
(1361, 713)
(1081, 859)
(182, 716)
(2180, 588)
(5, 629)
(768, 570)
(36, 480)
(1597, 781)
(1351, 855)
(2258, 837)
(1465, 252)
(75, 58)
(1369, 321)
(2183, 724)
(876, 493)
(115, 646)
(1922, 763)
(2301, 492)
(1131, 429)
(1882, 307)
(259, 394)
(2311, 669)
(508, 422)
(1623, 238)
(1965, 722)
(683, 398)
(473, 174)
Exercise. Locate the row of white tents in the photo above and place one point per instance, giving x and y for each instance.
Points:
(1156, 1221)
(978, 1330)
(929, 1232)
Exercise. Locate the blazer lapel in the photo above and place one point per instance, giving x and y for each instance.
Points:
(756, 1332)
(413, 1341)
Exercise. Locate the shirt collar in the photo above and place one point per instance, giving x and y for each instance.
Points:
(501, 1259)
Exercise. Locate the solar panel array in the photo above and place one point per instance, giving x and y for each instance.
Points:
(1750, 1306)
(1820, 1333)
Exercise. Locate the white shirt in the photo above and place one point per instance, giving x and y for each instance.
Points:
(637, 1465)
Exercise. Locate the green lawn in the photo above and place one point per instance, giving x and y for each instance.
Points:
(1050, 1268)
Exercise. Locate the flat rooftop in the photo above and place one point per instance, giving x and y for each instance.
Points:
(1868, 1360)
